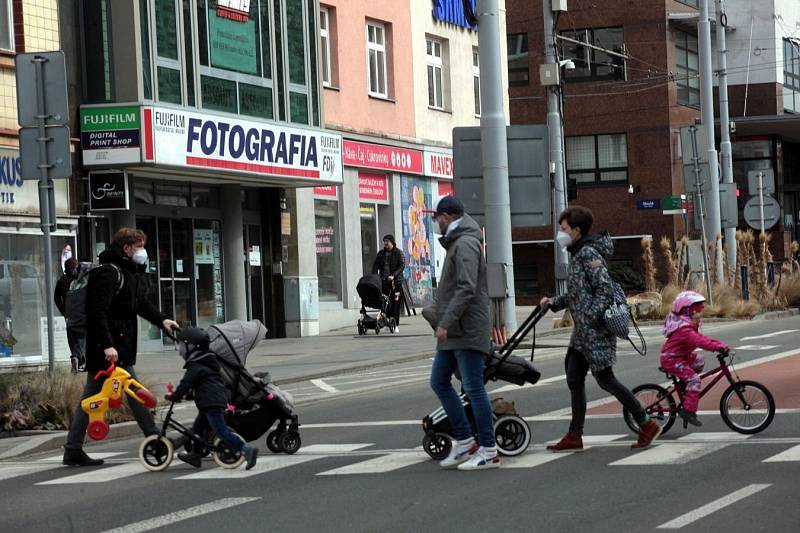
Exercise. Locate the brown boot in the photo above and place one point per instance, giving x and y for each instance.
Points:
(572, 442)
(649, 432)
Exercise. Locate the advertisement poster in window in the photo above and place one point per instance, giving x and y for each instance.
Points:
(204, 246)
(232, 42)
(416, 199)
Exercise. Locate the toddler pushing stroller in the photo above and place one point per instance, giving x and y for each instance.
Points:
(512, 433)
(370, 290)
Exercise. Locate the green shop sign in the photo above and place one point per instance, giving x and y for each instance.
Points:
(233, 43)
(110, 118)
(674, 204)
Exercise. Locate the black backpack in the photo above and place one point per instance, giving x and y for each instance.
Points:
(75, 298)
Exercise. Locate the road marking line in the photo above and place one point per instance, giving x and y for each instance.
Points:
(324, 386)
(364, 424)
(29, 444)
(716, 505)
(532, 459)
(792, 454)
(9, 472)
(601, 439)
(100, 475)
(318, 449)
(180, 516)
(380, 465)
(264, 464)
(707, 436)
(756, 347)
(669, 454)
(768, 335)
(418, 375)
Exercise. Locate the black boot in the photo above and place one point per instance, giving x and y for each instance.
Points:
(190, 458)
(689, 418)
(78, 457)
(251, 454)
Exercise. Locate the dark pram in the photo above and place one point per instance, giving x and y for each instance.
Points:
(512, 433)
(257, 403)
(370, 290)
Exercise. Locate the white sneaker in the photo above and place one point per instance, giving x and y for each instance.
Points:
(481, 461)
(459, 454)
(397, 329)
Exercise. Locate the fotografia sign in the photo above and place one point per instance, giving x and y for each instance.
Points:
(108, 191)
(110, 135)
(193, 139)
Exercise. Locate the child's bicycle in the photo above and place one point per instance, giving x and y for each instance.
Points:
(745, 406)
(157, 451)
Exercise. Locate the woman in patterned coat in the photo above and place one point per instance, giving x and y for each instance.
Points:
(592, 346)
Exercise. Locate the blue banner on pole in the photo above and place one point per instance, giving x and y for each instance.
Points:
(452, 12)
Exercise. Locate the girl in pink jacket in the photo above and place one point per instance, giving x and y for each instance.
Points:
(678, 356)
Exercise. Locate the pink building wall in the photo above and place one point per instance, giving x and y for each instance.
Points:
(350, 108)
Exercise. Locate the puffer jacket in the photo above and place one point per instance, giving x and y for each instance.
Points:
(589, 294)
(204, 378)
(461, 305)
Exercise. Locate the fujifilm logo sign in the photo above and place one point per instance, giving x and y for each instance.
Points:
(109, 119)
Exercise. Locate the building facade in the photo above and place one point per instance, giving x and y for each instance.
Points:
(26, 27)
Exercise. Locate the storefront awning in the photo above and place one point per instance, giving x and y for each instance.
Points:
(785, 126)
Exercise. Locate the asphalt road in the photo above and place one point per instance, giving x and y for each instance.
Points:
(361, 469)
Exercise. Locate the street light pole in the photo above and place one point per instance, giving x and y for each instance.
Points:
(554, 127)
(724, 126)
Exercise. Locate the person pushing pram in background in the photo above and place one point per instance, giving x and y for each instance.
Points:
(389, 265)
(204, 378)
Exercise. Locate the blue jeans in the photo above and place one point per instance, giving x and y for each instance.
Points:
(215, 419)
(470, 364)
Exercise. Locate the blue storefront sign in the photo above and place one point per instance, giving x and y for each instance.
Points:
(452, 12)
(648, 203)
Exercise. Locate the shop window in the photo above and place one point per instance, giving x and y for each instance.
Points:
(518, 70)
(147, 70)
(325, 44)
(593, 159)
(369, 236)
(6, 26)
(208, 272)
(591, 63)
(376, 60)
(173, 195)
(791, 76)
(687, 69)
(205, 196)
(218, 94)
(168, 63)
(143, 192)
(476, 81)
(97, 51)
(326, 218)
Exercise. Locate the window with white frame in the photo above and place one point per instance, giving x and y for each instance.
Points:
(376, 59)
(476, 81)
(433, 50)
(6, 26)
(325, 45)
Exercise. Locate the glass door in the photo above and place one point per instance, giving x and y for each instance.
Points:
(253, 267)
(208, 272)
(369, 236)
(175, 264)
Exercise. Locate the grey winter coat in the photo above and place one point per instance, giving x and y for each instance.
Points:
(461, 305)
(589, 294)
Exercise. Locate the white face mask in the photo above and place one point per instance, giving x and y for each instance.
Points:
(140, 257)
(563, 239)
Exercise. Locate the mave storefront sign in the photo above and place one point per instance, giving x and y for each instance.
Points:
(439, 164)
(198, 140)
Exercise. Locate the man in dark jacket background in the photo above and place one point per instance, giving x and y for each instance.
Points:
(75, 339)
(116, 294)
(460, 317)
(390, 264)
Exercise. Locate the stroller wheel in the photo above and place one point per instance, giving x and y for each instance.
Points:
(156, 453)
(377, 330)
(226, 457)
(513, 435)
(289, 441)
(437, 445)
(392, 325)
(272, 442)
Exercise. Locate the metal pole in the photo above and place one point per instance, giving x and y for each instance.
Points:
(45, 186)
(761, 199)
(495, 152)
(724, 125)
(554, 127)
(698, 187)
(713, 228)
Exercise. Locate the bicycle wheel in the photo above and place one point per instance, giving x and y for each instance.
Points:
(747, 407)
(658, 403)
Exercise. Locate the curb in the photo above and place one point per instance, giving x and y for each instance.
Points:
(775, 315)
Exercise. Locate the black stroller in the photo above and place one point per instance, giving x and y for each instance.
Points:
(370, 290)
(257, 402)
(512, 433)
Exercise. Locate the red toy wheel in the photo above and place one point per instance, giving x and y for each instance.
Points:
(98, 430)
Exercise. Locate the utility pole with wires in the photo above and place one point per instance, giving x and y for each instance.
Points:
(724, 124)
(713, 225)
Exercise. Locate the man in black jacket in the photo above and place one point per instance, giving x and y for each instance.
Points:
(75, 339)
(204, 378)
(116, 294)
(389, 264)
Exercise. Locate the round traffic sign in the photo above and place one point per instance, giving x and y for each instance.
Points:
(752, 212)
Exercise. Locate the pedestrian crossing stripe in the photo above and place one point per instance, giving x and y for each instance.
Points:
(683, 450)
